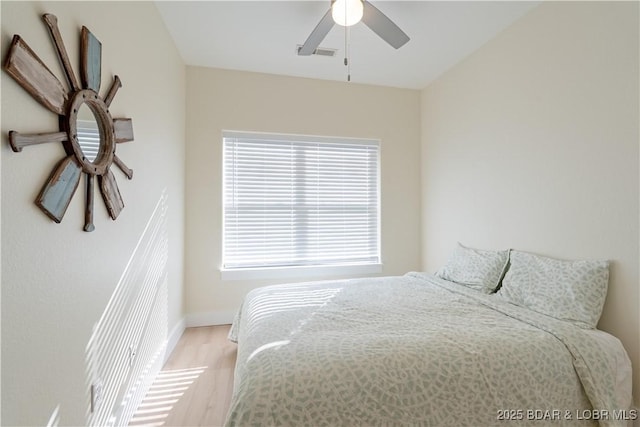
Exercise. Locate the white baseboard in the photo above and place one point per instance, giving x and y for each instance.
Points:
(193, 321)
(210, 318)
(173, 338)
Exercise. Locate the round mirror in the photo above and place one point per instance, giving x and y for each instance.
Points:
(88, 133)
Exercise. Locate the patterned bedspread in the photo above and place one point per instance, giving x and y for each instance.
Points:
(415, 350)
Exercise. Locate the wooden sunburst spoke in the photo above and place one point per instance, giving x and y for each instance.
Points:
(88, 213)
(18, 141)
(30, 72)
(128, 172)
(111, 194)
(59, 189)
(123, 130)
(52, 24)
(91, 60)
(117, 84)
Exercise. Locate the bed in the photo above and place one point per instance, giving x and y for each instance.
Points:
(418, 350)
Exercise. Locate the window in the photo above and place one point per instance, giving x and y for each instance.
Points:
(297, 201)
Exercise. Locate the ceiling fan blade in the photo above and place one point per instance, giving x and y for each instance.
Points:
(317, 35)
(59, 189)
(383, 26)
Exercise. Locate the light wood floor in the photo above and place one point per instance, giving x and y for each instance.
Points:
(195, 385)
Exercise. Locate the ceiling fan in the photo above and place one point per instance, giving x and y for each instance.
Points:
(350, 12)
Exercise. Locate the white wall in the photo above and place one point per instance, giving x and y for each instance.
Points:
(532, 143)
(230, 100)
(57, 279)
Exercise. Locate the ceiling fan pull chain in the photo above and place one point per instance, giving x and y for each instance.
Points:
(349, 56)
(347, 52)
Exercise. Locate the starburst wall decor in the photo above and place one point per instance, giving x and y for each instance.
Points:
(87, 131)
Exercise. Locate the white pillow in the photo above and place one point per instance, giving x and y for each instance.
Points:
(476, 268)
(567, 290)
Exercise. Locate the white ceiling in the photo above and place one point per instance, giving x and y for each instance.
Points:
(262, 36)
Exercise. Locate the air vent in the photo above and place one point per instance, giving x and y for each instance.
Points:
(321, 51)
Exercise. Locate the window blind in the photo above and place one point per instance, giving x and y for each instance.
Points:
(299, 201)
(89, 138)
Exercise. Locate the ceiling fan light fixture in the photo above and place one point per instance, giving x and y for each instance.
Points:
(347, 12)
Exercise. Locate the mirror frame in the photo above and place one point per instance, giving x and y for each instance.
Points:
(105, 128)
(32, 74)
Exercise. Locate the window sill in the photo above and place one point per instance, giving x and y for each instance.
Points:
(299, 272)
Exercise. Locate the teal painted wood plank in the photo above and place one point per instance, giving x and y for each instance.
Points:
(60, 188)
(91, 60)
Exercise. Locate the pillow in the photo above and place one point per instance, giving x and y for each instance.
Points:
(567, 290)
(476, 268)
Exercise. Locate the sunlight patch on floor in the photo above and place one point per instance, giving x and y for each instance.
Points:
(167, 389)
